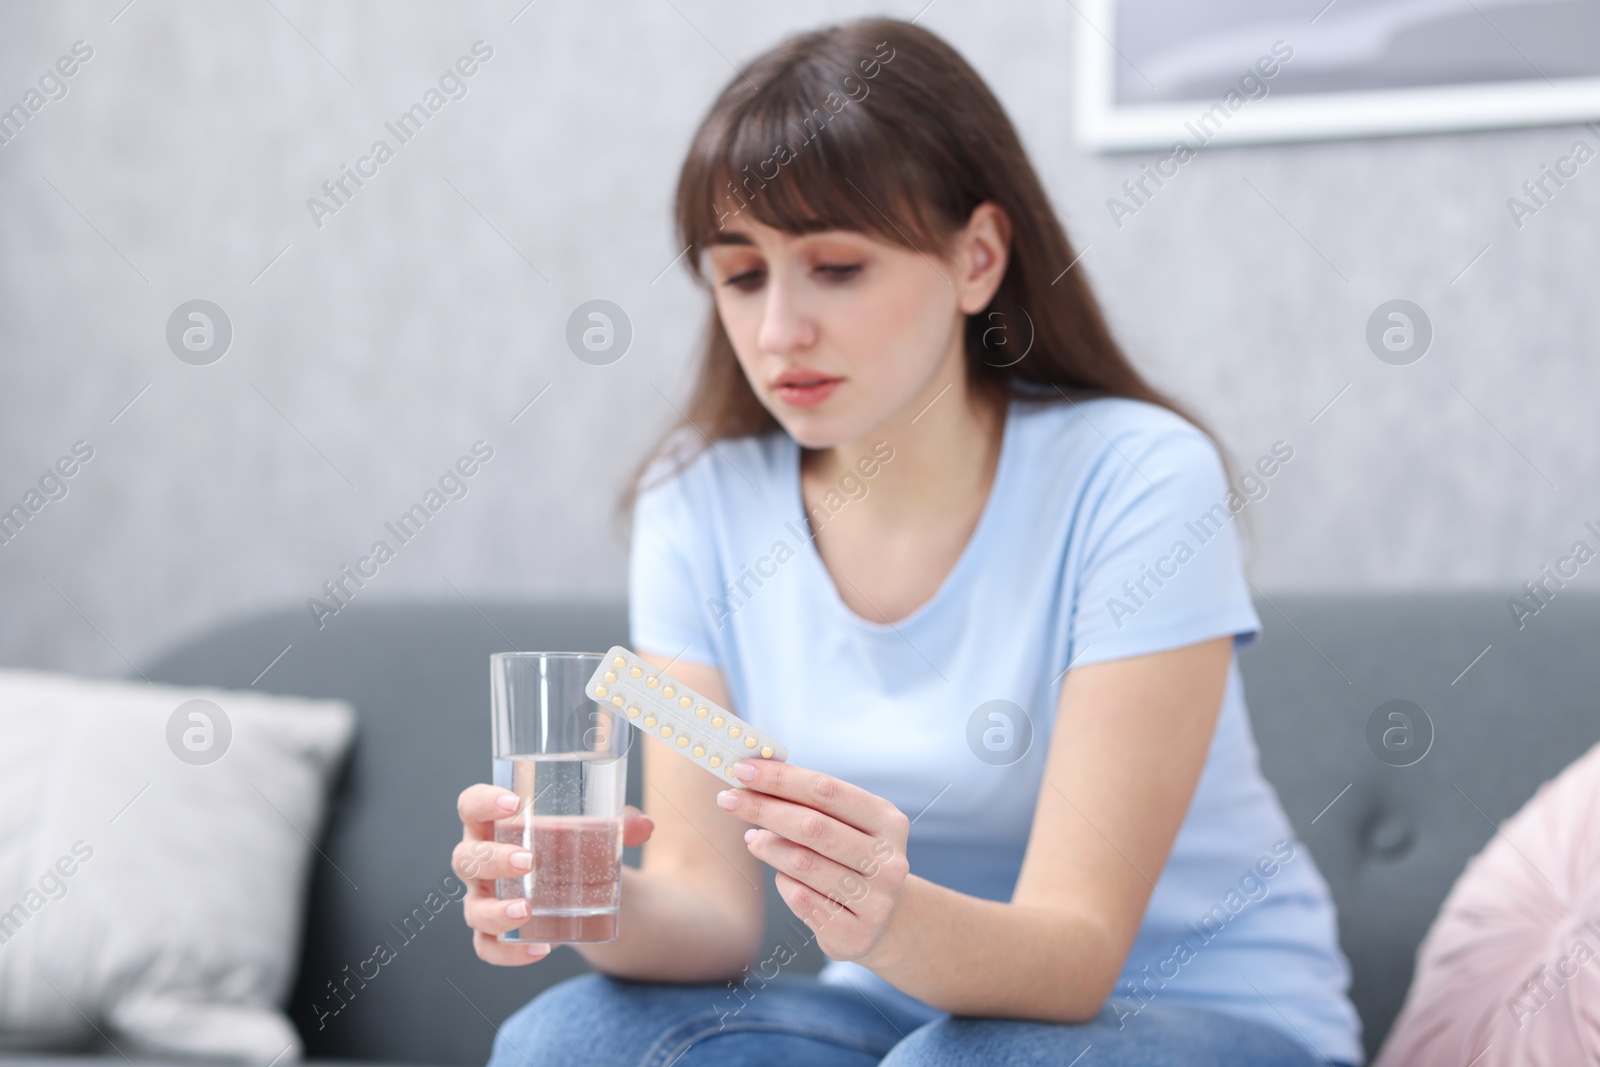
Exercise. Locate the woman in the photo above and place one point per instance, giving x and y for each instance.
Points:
(925, 524)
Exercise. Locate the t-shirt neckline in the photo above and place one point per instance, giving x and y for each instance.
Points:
(970, 554)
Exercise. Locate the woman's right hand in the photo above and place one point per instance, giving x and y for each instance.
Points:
(478, 860)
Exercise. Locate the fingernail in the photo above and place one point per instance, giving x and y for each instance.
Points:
(727, 799)
(749, 835)
(506, 801)
(538, 949)
(517, 909)
(522, 860)
(746, 771)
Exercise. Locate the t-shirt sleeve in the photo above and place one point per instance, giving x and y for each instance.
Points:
(1162, 566)
(670, 569)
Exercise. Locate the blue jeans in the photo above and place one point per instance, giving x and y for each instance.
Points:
(797, 1021)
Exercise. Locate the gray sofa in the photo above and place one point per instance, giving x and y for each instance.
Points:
(1391, 844)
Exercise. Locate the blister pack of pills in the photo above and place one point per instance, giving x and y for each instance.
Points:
(695, 727)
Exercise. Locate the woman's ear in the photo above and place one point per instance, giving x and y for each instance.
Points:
(983, 250)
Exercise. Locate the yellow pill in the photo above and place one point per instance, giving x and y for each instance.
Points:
(666, 691)
(611, 676)
(600, 690)
(701, 712)
(684, 702)
(633, 711)
(766, 751)
(729, 772)
(619, 662)
(715, 761)
(749, 742)
(683, 740)
(699, 750)
(717, 721)
(666, 731)
(649, 720)
(733, 731)
(635, 671)
(652, 681)
(616, 702)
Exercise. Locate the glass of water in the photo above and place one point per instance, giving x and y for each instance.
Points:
(566, 757)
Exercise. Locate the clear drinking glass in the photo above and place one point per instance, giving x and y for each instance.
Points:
(566, 756)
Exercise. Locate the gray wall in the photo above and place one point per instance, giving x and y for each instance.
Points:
(430, 309)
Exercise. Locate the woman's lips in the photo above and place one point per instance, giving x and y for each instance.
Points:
(807, 395)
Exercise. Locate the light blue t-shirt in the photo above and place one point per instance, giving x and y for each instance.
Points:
(1107, 534)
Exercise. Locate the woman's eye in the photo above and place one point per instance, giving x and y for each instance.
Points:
(746, 280)
(750, 279)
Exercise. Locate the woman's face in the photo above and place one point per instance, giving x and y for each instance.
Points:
(883, 322)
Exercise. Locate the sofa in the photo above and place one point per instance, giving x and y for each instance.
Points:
(1504, 708)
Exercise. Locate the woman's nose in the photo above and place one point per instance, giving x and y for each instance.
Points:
(786, 323)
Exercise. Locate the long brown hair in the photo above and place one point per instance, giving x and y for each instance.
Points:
(880, 127)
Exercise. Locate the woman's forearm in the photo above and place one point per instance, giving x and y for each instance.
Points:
(970, 956)
(671, 931)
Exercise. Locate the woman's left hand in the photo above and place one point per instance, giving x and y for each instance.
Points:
(839, 852)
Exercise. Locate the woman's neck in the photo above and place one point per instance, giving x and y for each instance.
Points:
(945, 454)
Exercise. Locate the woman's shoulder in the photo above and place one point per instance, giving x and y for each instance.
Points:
(1109, 435)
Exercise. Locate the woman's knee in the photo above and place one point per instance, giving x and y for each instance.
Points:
(575, 1021)
(964, 1042)
(597, 1019)
(1170, 1034)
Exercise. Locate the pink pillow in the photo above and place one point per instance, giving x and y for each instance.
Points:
(1509, 973)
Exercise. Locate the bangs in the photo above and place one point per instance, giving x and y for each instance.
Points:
(802, 155)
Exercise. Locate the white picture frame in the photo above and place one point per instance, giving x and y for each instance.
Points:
(1103, 124)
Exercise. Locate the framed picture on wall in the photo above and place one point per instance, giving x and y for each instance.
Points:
(1154, 73)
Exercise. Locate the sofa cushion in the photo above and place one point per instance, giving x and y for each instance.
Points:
(155, 846)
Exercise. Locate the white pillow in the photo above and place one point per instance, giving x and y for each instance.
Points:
(155, 851)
